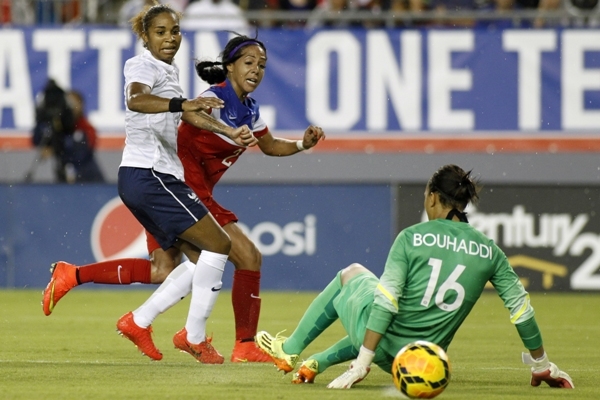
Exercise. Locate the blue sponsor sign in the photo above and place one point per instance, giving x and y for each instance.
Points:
(346, 81)
(306, 233)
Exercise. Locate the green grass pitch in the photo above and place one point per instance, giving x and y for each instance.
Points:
(76, 354)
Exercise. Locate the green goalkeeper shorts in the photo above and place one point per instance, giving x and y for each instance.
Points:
(353, 306)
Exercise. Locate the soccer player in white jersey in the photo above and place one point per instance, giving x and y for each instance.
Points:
(434, 275)
(151, 180)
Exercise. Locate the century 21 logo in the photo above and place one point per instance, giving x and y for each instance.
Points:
(563, 233)
(293, 239)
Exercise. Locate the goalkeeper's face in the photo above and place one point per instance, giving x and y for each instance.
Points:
(431, 203)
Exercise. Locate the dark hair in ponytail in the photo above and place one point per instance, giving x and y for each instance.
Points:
(456, 187)
(216, 71)
(211, 71)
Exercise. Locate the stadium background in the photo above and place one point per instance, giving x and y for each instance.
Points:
(472, 104)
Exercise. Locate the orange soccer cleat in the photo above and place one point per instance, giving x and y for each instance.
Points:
(248, 352)
(141, 337)
(63, 279)
(203, 352)
(307, 372)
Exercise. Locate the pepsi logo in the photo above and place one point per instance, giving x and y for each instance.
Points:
(117, 234)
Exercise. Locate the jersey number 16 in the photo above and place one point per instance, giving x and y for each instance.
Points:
(449, 284)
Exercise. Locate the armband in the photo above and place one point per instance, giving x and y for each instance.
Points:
(299, 145)
(176, 104)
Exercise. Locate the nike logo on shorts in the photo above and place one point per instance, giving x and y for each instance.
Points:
(215, 289)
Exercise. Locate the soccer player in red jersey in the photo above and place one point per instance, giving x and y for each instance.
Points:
(205, 156)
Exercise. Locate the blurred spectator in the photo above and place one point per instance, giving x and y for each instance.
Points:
(61, 131)
(399, 7)
(80, 147)
(500, 7)
(22, 12)
(375, 7)
(5, 12)
(54, 120)
(442, 6)
(214, 15)
(130, 9)
(327, 8)
(293, 6)
(58, 12)
(547, 5)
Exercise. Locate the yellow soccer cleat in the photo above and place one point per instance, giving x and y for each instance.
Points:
(273, 346)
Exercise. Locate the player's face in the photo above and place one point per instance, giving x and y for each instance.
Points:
(246, 73)
(427, 203)
(163, 37)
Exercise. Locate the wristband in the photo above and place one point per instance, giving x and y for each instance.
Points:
(365, 356)
(537, 365)
(176, 104)
(299, 145)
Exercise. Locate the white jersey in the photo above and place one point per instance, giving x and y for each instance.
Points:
(151, 139)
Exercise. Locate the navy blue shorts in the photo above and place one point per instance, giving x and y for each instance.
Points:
(163, 204)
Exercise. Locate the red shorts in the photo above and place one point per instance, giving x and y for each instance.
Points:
(222, 215)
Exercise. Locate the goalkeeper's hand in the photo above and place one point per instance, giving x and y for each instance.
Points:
(357, 371)
(542, 370)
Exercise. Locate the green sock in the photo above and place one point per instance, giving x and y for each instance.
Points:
(317, 317)
(341, 351)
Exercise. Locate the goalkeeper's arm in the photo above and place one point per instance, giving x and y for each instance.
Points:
(542, 370)
(359, 368)
(541, 367)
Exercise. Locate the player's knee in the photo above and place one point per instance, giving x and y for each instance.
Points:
(249, 258)
(351, 271)
(161, 267)
(224, 243)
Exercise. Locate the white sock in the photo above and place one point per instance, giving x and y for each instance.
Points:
(176, 286)
(205, 290)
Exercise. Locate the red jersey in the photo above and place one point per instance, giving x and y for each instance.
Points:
(206, 155)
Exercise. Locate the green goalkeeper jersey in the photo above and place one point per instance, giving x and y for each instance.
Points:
(433, 276)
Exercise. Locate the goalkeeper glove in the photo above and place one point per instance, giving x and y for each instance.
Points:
(357, 371)
(543, 370)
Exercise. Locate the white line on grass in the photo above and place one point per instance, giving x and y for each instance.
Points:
(97, 362)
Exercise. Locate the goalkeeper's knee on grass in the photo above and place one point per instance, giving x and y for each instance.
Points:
(542, 370)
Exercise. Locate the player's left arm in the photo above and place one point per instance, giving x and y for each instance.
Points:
(516, 300)
(281, 147)
(542, 370)
(242, 135)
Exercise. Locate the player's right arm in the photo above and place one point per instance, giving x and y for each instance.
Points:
(384, 308)
(139, 99)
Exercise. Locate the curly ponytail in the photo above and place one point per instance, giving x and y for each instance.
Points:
(211, 72)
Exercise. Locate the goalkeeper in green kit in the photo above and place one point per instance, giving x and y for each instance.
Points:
(433, 276)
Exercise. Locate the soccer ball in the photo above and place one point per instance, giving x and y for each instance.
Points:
(421, 370)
